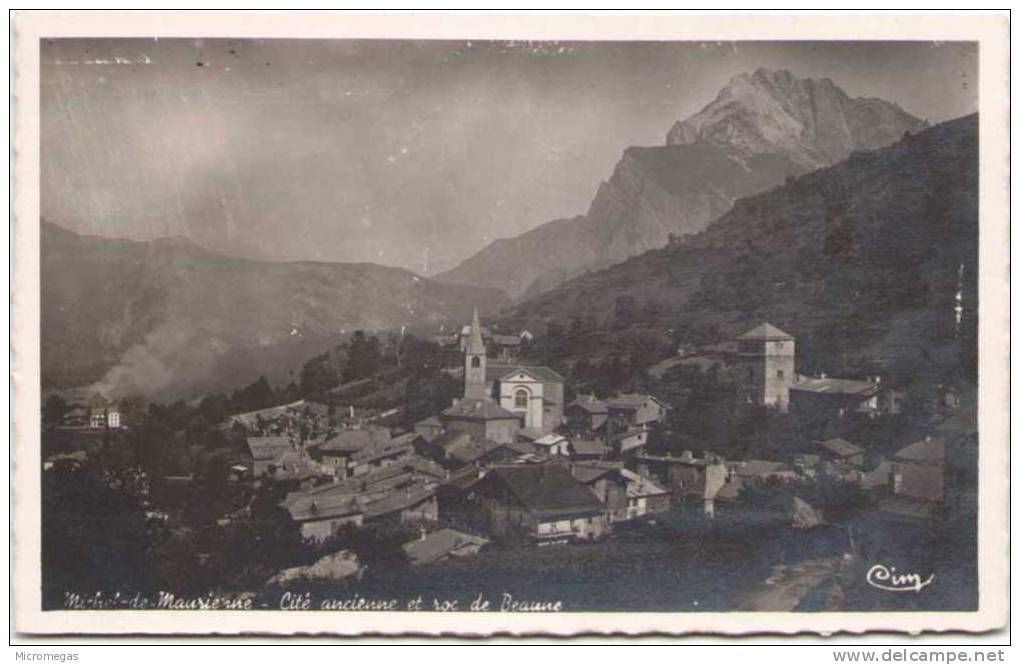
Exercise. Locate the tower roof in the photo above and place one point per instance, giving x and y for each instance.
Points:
(765, 331)
(475, 343)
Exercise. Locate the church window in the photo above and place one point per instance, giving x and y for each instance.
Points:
(476, 361)
(521, 399)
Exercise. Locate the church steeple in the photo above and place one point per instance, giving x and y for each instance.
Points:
(475, 342)
(474, 362)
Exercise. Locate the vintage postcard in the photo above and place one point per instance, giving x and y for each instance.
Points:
(471, 325)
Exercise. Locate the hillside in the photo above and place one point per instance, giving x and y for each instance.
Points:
(166, 318)
(762, 128)
(862, 261)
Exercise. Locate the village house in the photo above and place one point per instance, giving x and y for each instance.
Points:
(90, 409)
(542, 501)
(265, 450)
(635, 410)
(482, 419)
(429, 428)
(586, 415)
(608, 485)
(842, 451)
(827, 398)
(381, 455)
(758, 469)
(644, 496)
(552, 445)
(442, 545)
(401, 492)
(688, 478)
(337, 450)
(913, 483)
(629, 441)
(582, 449)
(321, 515)
(411, 503)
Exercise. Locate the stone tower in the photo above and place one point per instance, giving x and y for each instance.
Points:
(474, 362)
(767, 366)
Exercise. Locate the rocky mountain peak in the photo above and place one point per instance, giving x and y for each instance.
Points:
(813, 121)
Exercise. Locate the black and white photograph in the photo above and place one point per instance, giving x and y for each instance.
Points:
(490, 327)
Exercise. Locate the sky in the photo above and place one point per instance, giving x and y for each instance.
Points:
(406, 153)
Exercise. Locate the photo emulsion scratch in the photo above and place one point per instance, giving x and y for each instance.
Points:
(502, 327)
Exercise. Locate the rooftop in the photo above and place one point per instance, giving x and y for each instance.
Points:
(495, 372)
(836, 386)
(268, 447)
(925, 450)
(440, 544)
(841, 447)
(766, 332)
(588, 446)
(547, 489)
(590, 404)
(478, 409)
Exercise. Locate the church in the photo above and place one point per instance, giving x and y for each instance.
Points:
(532, 395)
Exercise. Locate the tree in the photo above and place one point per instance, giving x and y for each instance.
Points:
(257, 395)
(364, 357)
(53, 410)
(318, 376)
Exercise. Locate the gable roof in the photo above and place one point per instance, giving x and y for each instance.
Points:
(550, 440)
(353, 440)
(841, 447)
(451, 438)
(588, 474)
(473, 450)
(761, 467)
(925, 450)
(590, 404)
(381, 451)
(478, 409)
(548, 490)
(440, 544)
(639, 486)
(304, 507)
(495, 372)
(766, 332)
(268, 447)
(410, 495)
(631, 401)
(588, 446)
(836, 386)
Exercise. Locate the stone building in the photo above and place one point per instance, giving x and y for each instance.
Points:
(766, 368)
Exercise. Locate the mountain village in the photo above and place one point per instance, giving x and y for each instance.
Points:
(554, 429)
(510, 462)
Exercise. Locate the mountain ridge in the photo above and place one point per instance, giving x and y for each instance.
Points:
(169, 318)
(727, 150)
(867, 257)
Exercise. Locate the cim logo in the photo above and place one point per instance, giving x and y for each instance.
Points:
(887, 579)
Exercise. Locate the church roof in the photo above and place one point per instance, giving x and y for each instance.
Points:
(475, 342)
(765, 331)
(478, 409)
(540, 372)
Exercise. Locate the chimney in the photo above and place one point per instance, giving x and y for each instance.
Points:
(895, 479)
(821, 375)
(687, 456)
(352, 411)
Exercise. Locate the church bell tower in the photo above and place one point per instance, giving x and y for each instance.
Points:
(474, 362)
